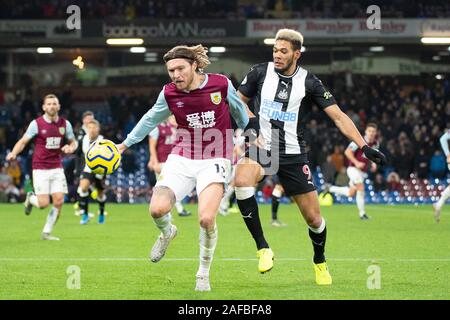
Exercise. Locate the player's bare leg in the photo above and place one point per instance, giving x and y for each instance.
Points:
(101, 199)
(40, 201)
(438, 205)
(276, 197)
(53, 215)
(360, 201)
(163, 199)
(208, 204)
(308, 204)
(248, 173)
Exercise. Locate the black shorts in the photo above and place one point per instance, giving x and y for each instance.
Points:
(96, 180)
(295, 177)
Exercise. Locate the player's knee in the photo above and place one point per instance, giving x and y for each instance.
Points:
(43, 203)
(352, 192)
(314, 221)
(58, 203)
(159, 208)
(207, 222)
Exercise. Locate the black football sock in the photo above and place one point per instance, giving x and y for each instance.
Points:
(101, 206)
(83, 202)
(249, 211)
(318, 240)
(275, 204)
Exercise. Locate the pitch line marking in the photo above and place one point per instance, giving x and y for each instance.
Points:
(231, 259)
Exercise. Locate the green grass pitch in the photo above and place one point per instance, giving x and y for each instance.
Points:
(411, 251)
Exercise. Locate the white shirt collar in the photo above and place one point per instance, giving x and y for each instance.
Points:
(202, 85)
(48, 120)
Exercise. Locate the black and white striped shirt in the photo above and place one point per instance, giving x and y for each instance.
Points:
(282, 103)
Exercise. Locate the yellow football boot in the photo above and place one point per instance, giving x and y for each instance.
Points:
(265, 257)
(323, 276)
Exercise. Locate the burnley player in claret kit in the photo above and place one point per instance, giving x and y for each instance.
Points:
(357, 170)
(201, 157)
(160, 142)
(49, 133)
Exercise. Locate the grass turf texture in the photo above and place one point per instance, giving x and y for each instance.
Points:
(412, 251)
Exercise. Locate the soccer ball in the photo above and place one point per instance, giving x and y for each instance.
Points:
(103, 157)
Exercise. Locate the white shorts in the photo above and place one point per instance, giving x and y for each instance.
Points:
(49, 181)
(356, 176)
(182, 175)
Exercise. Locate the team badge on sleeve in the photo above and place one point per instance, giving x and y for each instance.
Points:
(216, 97)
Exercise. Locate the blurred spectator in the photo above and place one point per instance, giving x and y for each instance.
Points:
(337, 158)
(438, 165)
(342, 178)
(208, 9)
(393, 181)
(421, 166)
(328, 170)
(14, 172)
(379, 184)
(128, 161)
(8, 191)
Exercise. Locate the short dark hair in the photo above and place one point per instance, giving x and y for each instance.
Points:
(372, 125)
(86, 114)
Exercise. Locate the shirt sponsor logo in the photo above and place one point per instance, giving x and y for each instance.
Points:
(52, 142)
(201, 120)
(327, 95)
(272, 110)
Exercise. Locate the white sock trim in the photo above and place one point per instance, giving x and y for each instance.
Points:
(51, 220)
(34, 201)
(207, 242)
(343, 191)
(81, 193)
(164, 224)
(360, 202)
(277, 193)
(320, 228)
(243, 193)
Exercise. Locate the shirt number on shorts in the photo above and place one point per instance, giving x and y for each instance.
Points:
(221, 170)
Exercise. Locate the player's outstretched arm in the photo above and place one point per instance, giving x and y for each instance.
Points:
(18, 148)
(157, 114)
(348, 128)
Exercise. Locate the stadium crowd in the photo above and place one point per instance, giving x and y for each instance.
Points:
(411, 118)
(225, 9)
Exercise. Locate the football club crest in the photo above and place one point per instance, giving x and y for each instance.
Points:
(62, 130)
(283, 94)
(216, 97)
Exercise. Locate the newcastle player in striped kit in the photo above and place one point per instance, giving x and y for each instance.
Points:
(283, 92)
